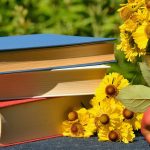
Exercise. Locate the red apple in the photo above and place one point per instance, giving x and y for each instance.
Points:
(145, 125)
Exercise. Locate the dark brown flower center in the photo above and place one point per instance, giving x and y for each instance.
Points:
(72, 116)
(111, 90)
(74, 129)
(128, 114)
(147, 30)
(113, 136)
(77, 129)
(147, 2)
(104, 119)
(131, 41)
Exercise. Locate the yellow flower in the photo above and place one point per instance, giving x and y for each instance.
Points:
(94, 101)
(78, 127)
(142, 35)
(140, 15)
(122, 132)
(90, 128)
(108, 113)
(126, 132)
(125, 12)
(110, 86)
(83, 116)
(73, 129)
(132, 118)
(132, 33)
(128, 9)
(129, 25)
(129, 47)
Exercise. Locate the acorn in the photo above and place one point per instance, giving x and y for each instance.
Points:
(128, 114)
(72, 116)
(113, 136)
(111, 90)
(104, 119)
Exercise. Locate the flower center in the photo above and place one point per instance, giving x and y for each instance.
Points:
(128, 114)
(131, 41)
(147, 2)
(147, 30)
(76, 129)
(111, 90)
(72, 116)
(104, 119)
(113, 136)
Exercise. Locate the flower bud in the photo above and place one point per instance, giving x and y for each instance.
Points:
(128, 114)
(104, 119)
(113, 136)
(111, 90)
(72, 116)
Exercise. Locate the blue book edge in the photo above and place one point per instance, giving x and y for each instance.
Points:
(34, 41)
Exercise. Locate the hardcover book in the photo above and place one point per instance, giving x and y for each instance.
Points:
(45, 76)
(51, 51)
(52, 83)
(35, 119)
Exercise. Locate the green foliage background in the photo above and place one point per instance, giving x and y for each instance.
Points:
(74, 17)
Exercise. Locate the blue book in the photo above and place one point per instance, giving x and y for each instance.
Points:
(51, 51)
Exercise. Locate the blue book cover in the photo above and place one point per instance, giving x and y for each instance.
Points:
(33, 41)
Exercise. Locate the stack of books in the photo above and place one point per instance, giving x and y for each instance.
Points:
(45, 76)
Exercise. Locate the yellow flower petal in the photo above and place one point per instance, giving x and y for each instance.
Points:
(140, 36)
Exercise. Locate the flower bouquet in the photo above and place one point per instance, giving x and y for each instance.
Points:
(123, 96)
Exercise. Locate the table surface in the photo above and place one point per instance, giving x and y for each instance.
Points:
(64, 143)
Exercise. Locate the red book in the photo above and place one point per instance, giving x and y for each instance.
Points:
(29, 120)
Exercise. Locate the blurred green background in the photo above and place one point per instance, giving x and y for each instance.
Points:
(73, 17)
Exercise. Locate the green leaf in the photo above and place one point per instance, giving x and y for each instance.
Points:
(130, 71)
(145, 72)
(135, 97)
